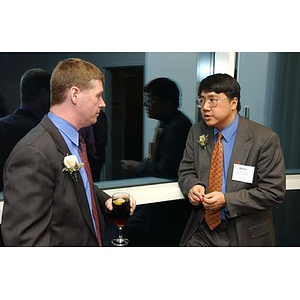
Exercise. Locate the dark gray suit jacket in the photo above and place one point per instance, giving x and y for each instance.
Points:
(249, 204)
(44, 206)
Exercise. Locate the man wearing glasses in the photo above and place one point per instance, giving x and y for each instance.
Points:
(162, 99)
(250, 172)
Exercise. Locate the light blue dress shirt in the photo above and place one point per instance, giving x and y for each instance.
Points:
(228, 139)
(71, 137)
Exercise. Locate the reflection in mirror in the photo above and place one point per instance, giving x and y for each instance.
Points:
(121, 120)
(161, 103)
(34, 104)
(128, 129)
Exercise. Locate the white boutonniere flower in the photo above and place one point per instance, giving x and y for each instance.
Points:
(72, 166)
(203, 140)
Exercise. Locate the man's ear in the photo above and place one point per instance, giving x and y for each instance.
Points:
(234, 103)
(74, 93)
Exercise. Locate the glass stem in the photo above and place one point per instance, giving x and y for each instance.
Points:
(120, 232)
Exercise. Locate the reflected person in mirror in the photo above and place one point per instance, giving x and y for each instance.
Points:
(233, 205)
(34, 104)
(49, 196)
(162, 97)
(165, 151)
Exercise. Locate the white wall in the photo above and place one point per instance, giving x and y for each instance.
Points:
(253, 76)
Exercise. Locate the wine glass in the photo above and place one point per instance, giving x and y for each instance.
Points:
(120, 212)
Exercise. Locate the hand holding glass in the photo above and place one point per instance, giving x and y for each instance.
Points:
(121, 213)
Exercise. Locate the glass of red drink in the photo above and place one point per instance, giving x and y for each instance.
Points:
(121, 213)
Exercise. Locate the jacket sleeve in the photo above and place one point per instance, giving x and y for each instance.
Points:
(28, 193)
(101, 197)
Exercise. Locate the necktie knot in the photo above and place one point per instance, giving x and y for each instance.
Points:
(81, 141)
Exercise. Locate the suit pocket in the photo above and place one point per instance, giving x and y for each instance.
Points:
(260, 230)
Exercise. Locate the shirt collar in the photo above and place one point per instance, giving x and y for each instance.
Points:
(66, 128)
(230, 130)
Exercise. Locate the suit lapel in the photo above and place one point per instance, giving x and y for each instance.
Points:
(83, 202)
(205, 154)
(79, 186)
(240, 151)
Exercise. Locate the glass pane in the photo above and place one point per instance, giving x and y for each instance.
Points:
(270, 89)
(286, 107)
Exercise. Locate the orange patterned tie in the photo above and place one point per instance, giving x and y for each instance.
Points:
(213, 217)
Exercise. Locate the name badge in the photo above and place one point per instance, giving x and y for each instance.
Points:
(243, 173)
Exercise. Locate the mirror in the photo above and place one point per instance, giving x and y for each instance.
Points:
(268, 81)
(125, 77)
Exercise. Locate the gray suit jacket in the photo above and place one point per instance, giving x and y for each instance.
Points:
(249, 204)
(44, 206)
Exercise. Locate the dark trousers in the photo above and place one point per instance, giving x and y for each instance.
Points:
(222, 236)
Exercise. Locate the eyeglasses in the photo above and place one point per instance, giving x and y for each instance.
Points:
(148, 99)
(211, 102)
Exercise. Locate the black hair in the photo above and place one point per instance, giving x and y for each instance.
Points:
(32, 82)
(221, 83)
(165, 88)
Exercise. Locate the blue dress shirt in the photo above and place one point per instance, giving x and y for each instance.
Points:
(71, 137)
(228, 139)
